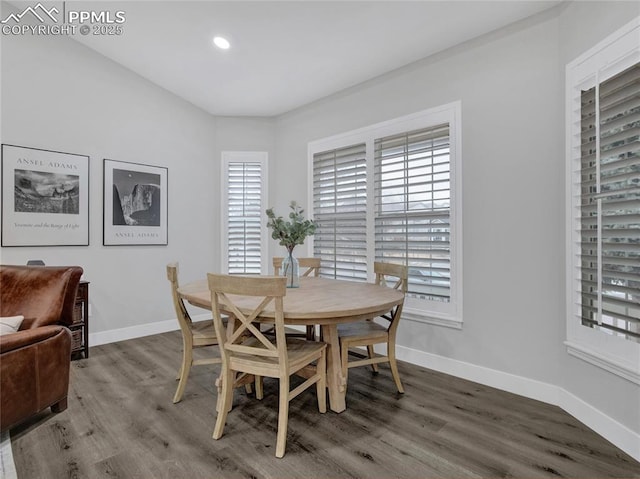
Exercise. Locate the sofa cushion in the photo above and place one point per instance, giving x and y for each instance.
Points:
(10, 324)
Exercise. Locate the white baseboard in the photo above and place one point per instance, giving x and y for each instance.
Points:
(613, 431)
(616, 433)
(140, 331)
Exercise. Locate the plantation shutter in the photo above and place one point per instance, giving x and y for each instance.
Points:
(412, 208)
(610, 205)
(340, 211)
(244, 182)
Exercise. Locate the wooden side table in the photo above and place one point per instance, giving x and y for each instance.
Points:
(80, 327)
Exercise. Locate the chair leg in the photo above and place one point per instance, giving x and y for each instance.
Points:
(391, 353)
(372, 353)
(344, 359)
(311, 333)
(259, 387)
(187, 359)
(283, 416)
(321, 385)
(226, 396)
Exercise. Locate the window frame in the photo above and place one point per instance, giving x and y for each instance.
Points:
(229, 157)
(444, 314)
(608, 58)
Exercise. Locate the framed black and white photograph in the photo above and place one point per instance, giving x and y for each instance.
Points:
(135, 204)
(45, 197)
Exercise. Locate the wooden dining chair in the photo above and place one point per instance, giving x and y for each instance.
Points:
(312, 266)
(368, 333)
(194, 335)
(257, 355)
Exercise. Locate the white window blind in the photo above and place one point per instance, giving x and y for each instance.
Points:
(610, 205)
(244, 214)
(340, 211)
(412, 208)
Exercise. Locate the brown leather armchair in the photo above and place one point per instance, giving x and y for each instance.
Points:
(35, 360)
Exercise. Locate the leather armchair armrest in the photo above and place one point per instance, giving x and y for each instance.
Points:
(34, 373)
(20, 339)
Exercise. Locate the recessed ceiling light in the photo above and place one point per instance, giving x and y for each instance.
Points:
(221, 43)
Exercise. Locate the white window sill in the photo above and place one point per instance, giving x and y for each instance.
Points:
(605, 362)
(432, 318)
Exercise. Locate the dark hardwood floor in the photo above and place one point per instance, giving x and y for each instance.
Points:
(121, 423)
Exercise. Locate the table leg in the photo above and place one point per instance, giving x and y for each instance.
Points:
(336, 383)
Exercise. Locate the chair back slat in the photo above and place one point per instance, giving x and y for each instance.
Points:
(277, 265)
(247, 285)
(399, 271)
(226, 292)
(184, 320)
(312, 265)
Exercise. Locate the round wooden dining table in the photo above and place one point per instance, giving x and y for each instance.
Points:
(322, 301)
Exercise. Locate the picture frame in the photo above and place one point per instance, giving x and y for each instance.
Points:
(135, 204)
(45, 197)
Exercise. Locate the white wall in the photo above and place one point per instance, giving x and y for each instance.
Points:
(59, 95)
(511, 84)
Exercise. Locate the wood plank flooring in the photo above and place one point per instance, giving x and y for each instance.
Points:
(121, 423)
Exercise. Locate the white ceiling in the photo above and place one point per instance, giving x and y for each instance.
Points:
(286, 54)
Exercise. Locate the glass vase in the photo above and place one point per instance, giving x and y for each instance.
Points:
(291, 269)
